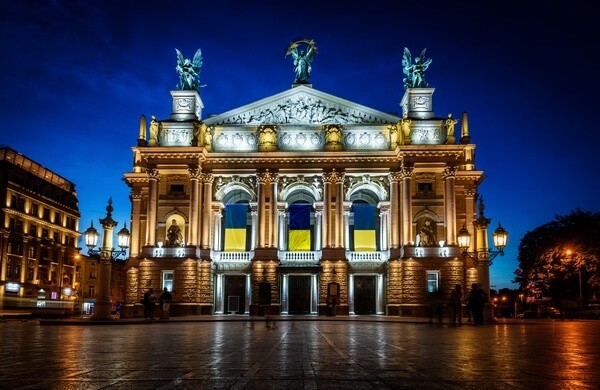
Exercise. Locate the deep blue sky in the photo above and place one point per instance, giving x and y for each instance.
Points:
(75, 76)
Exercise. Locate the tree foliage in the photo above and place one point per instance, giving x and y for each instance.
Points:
(554, 255)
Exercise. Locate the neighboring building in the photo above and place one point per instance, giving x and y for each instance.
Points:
(303, 203)
(38, 236)
(88, 283)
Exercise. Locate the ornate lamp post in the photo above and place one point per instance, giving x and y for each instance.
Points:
(482, 256)
(106, 253)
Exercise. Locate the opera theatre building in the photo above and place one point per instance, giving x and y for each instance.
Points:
(303, 203)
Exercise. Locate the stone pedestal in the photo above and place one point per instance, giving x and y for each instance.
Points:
(417, 103)
(187, 106)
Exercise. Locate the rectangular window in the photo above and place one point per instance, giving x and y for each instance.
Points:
(425, 187)
(167, 280)
(34, 210)
(91, 292)
(433, 281)
(46, 215)
(177, 188)
(32, 230)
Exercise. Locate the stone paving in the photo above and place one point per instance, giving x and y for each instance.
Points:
(293, 353)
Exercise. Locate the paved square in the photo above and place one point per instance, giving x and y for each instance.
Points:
(300, 354)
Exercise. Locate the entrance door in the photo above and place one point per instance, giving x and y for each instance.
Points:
(364, 294)
(299, 294)
(235, 286)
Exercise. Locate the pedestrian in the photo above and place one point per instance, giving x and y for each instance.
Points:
(165, 303)
(436, 303)
(455, 306)
(477, 301)
(118, 308)
(149, 303)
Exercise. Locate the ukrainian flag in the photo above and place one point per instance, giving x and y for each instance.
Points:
(299, 228)
(235, 227)
(364, 228)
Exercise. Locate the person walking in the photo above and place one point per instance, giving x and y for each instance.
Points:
(165, 303)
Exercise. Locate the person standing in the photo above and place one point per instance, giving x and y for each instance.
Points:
(149, 303)
(165, 300)
(456, 306)
(477, 300)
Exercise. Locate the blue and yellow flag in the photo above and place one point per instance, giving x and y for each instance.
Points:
(235, 227)
(364, 228)
(299, 231)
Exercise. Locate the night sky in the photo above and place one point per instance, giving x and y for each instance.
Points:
(75, 76)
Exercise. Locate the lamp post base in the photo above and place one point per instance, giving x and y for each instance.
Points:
(102, 311)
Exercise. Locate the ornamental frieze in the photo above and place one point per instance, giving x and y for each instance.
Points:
(302, 108)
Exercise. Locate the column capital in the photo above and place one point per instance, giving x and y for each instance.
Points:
(153, 173)
(395, 177)
(207, 178)
(449, 171)
(406, 171)
(136, 194)
(195, 171)
(266, 177)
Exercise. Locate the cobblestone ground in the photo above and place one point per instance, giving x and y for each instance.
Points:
(300, 355)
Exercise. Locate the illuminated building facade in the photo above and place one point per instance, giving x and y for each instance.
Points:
(38, 236)
(302, 203)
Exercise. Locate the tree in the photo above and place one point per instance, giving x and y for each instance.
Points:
(555, 255)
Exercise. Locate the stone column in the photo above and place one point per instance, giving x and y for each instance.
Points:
(347, 230)
(282, 245)
(339, 210)
(262, 183)
(194, 225)
(218, 218)
(450, 204)
(153, 178)
(207, 180)
(273, 211)
(384, 224)
(407, 235)
(136, 210)
(328, 178)
(394, 178)
(254, 232)
(318, 229)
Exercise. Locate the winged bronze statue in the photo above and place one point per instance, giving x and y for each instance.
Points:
(302, 60)
(188, 71)
(415, 72)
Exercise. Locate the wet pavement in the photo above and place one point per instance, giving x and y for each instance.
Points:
(299, 353)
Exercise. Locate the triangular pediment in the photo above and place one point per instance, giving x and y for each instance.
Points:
(302, 105)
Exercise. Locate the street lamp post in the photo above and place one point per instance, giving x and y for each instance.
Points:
(106, 254)
(482, 256)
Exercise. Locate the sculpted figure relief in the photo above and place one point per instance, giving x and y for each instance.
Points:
(153, 131)
(427, 236)
(449, 126)
(174, 236)
(302, 60)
